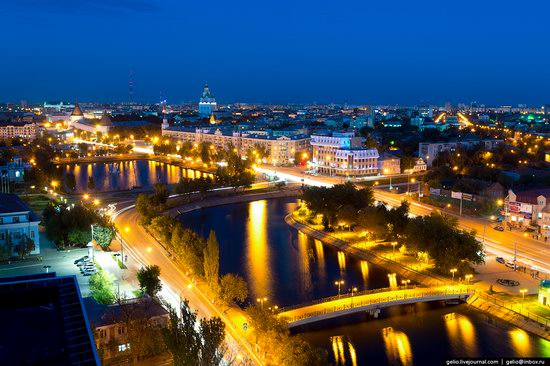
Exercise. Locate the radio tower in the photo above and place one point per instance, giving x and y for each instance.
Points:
(131, 87)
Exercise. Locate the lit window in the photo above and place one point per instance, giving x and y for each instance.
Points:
(123, 347)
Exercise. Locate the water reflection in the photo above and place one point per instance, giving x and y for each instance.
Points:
(342, 262)
(462, 334)
(258, 251)
(365, 273)
(520, 341)
(397, 346)
(128, 174)
(320, 256)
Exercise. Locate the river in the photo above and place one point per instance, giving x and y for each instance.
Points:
(288, 268)
(125, 175)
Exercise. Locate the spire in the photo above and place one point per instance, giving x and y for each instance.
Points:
(77, 111)
(206, 91)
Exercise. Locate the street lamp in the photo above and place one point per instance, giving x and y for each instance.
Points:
(353, 291)
(468, 277)
(261, 301)
(393, 244)
(405, 282)
(339, 283)
(453, 271)
(523, 291)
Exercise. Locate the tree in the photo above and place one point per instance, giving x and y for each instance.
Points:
(25, 246)
(160, 194)
(91, 183)
(162, 226)
(149, 280)
(212, 261)
(145, 209)
(233, 288)
(192, 346)
(101, 287)
(104, 235)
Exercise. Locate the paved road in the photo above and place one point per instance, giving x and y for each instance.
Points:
(143, 248)
(530, 252)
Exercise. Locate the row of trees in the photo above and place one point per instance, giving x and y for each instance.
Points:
(72, 225)
(436, 235)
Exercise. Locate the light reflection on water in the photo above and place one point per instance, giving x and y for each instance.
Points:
(128, 174)
(258, 252)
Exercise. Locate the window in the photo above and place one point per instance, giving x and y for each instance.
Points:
(102, 333)
(1, 220)
(32, 234)
(2, 236)
(121, 330)
(16, 219)
(123, 347)
(17, 235)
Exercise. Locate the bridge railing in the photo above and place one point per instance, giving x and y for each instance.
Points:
(345, 296)
(379, 300)
(519, 309)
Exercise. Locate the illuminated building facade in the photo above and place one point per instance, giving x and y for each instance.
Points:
(207, 103)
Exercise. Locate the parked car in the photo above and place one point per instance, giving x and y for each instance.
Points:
(79, 260)
(510, 264)
(499, 228)
(500, 260)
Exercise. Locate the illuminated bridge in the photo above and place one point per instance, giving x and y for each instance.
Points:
(370, 302)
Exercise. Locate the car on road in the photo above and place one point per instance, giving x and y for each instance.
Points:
(498, 228)
(510, 264)
(500, 260)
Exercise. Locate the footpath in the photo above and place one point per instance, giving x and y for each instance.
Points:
(482, 301)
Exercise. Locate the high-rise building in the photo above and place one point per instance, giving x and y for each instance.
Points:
(207, 103)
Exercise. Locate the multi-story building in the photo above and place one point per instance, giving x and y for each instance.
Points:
(14, 171)
(429, 151)
(342, 154)
(529, 209)
(115, 326)
(18, 226)
(207, 103)
(389, 164)
(281, 150)
(11, 130)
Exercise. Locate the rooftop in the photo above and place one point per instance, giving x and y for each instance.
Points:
(12, 203)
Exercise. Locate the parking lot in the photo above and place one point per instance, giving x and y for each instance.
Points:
(61, 262)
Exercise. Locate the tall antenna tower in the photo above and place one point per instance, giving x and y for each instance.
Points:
(131, 87)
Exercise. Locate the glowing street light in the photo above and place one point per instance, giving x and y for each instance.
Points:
(261, 301)
(468, 277)
(453, 271)
(523, 291)
(353, 291)
(339, 283)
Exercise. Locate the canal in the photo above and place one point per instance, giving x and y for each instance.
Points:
(126, 175)
(290, 268)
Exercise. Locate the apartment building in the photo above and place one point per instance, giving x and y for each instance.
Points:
(429, 151)
(11, 130)
(281, 150)
(18, 226)
(342, 154)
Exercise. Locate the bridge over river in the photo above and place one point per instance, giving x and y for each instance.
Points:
(370, 301)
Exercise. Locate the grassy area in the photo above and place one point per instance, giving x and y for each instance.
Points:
(36, 202)
(530, 303)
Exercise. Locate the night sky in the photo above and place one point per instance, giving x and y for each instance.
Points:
(368, 52)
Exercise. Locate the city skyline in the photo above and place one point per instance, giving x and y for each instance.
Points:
(396, 53)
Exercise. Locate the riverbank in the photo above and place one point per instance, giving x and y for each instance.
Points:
(529, 322)
(129, 157)
(227, 200)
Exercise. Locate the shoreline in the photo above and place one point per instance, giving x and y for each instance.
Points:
(478, 301)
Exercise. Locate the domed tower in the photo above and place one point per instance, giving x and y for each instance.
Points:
(76, 114)
(207, 103)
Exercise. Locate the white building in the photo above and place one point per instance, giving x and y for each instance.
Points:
(207, 103)
(18, 223)
(529, 209)
(11, 130)
(342, 154)
(79, 122)
(429, 151)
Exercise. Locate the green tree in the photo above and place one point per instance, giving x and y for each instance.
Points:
(212, 261)
(101, 287)
(162, 227)
(146, 209)
(160, 194)
(104, 235)
(233, 288)
(149, 280)
(25, 246)
(191, 345)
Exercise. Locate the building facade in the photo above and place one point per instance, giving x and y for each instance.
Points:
(529, 209)
(342, 154)
(281, 150)
(18, 226)
(207, 103)
(11, 130)
(429, 151)
(389, 164)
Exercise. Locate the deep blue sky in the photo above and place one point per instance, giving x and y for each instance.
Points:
(362, 51)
